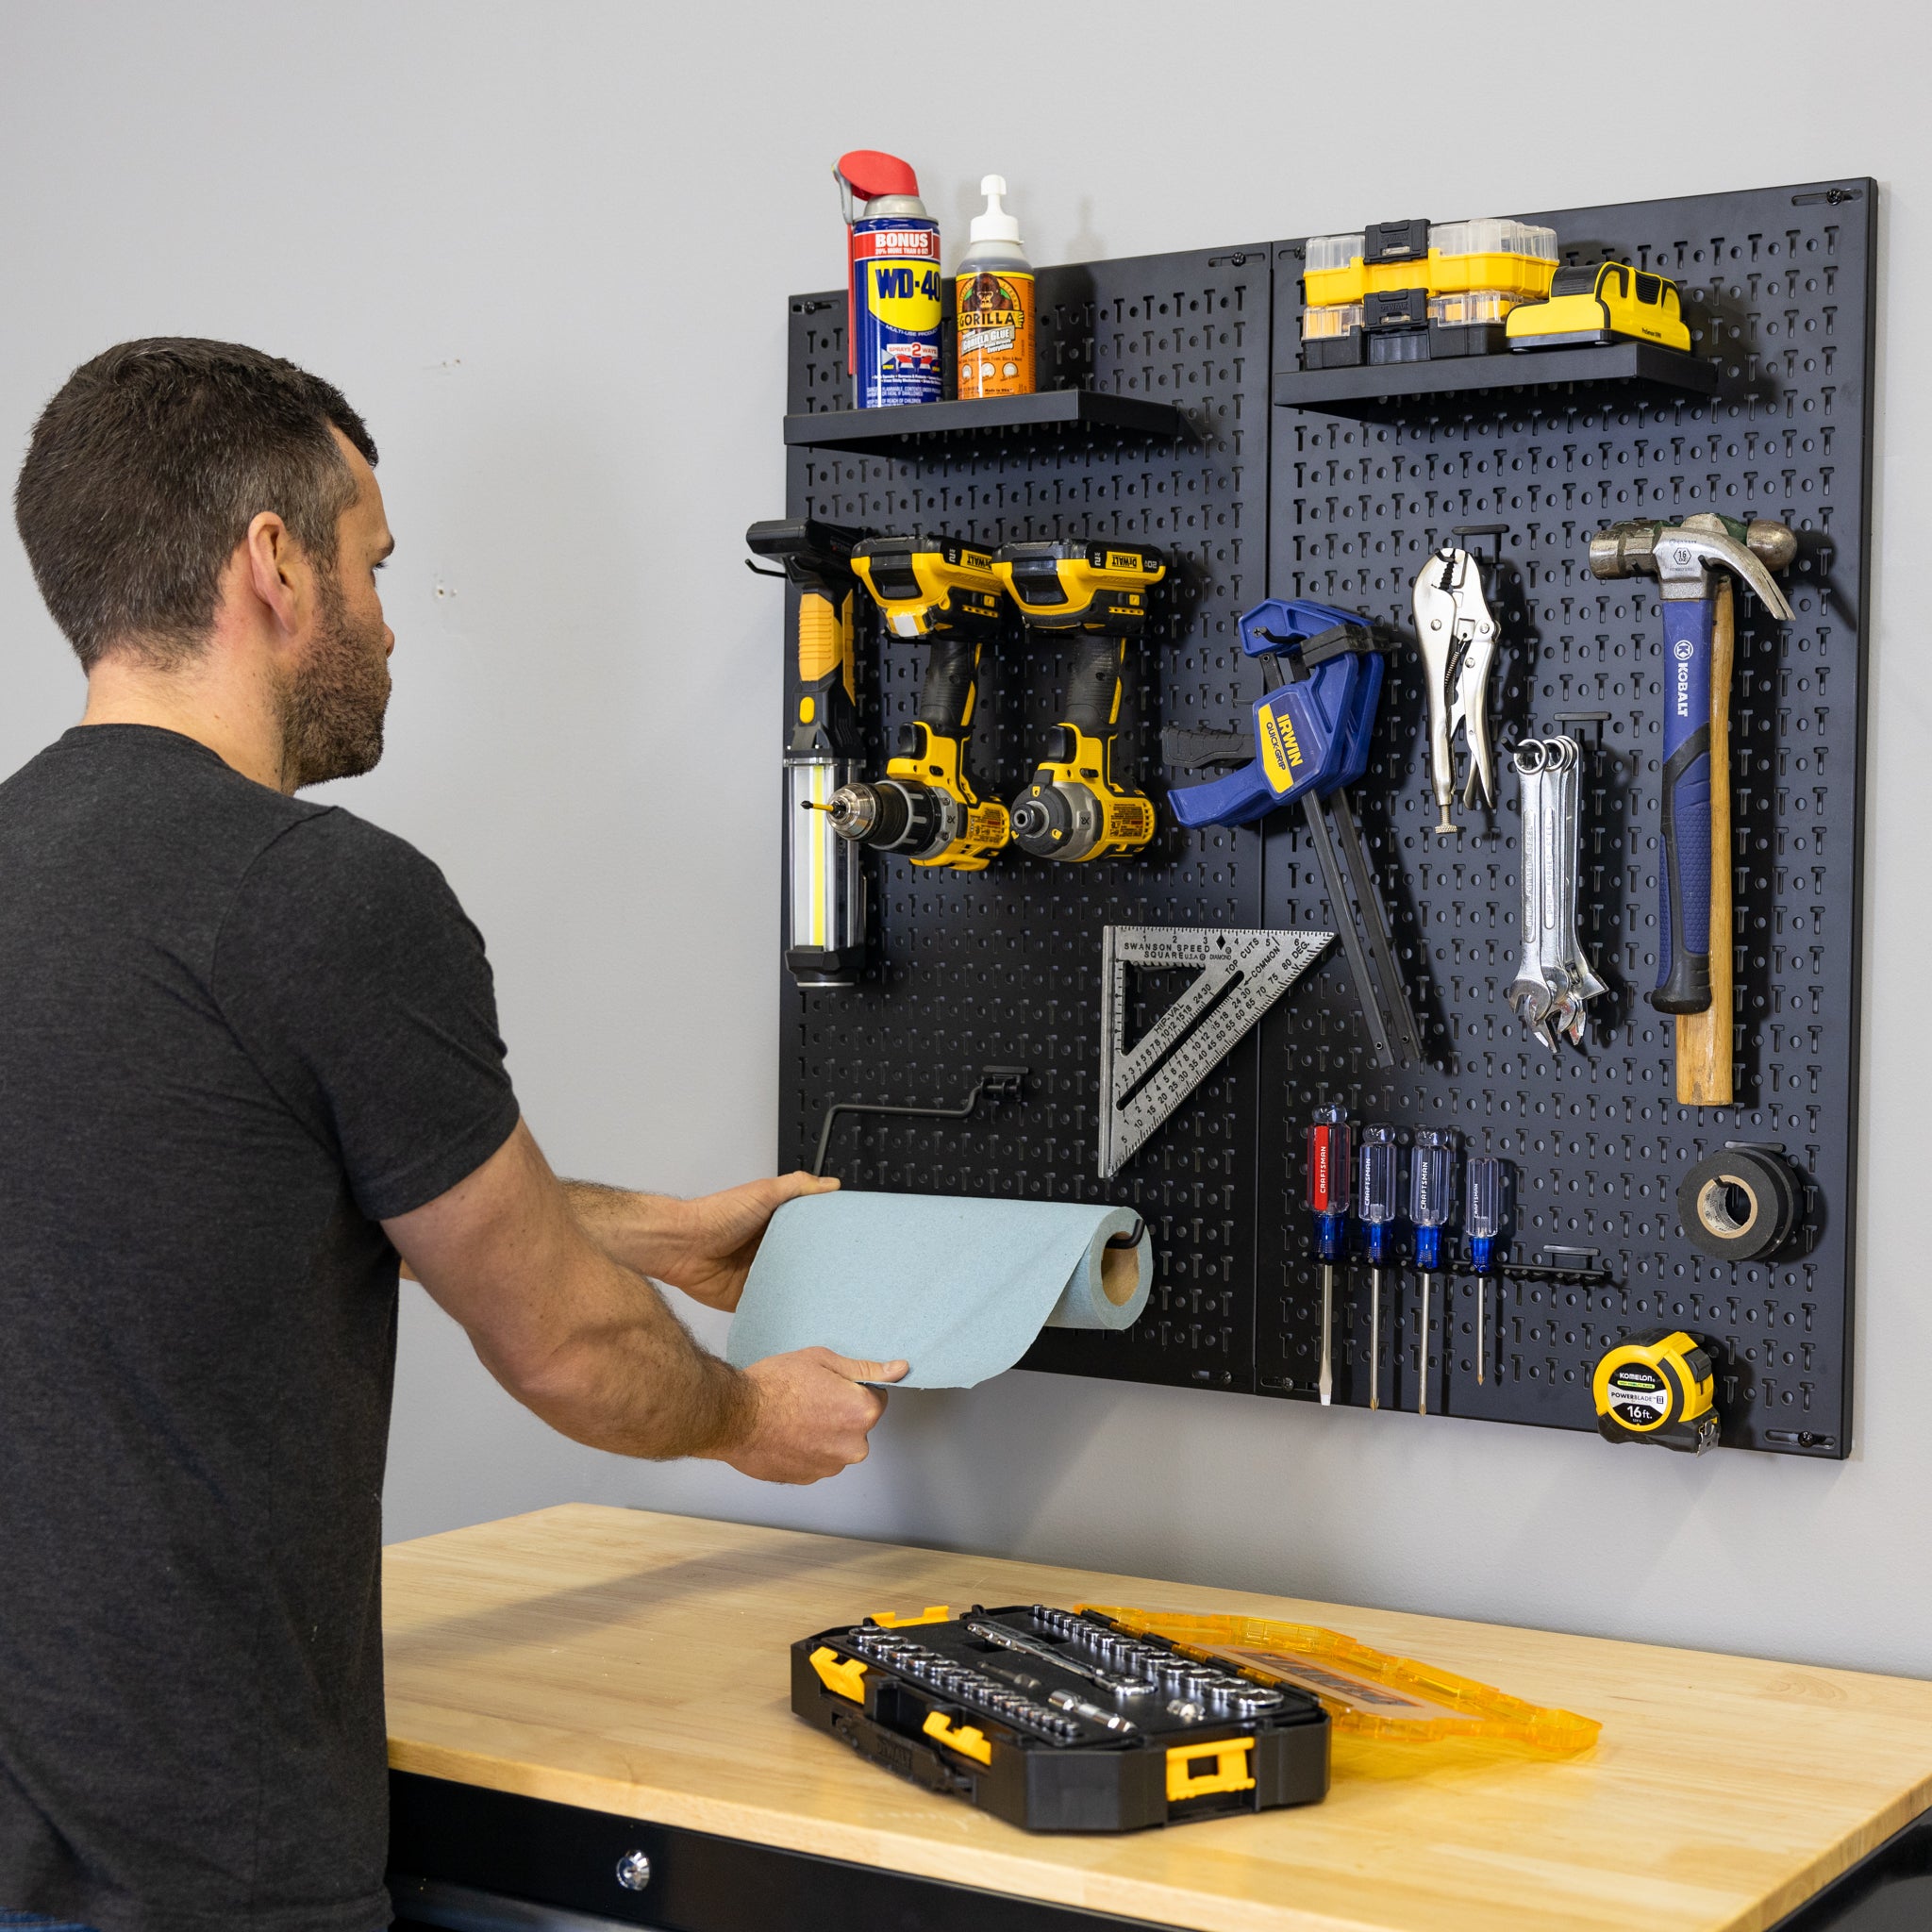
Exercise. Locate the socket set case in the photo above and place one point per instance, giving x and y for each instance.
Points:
(1058, 1722)
(1279, 487)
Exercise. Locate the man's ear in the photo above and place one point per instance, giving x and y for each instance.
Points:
(278, 570)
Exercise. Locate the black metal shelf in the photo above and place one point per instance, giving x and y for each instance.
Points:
(1397, 387)
(887, 431)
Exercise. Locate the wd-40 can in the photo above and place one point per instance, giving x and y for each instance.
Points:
(893, 332)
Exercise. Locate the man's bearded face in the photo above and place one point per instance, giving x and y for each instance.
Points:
(332, 708)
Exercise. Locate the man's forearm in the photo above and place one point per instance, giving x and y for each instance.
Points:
(528, 1267)
(640, 1231)
(630, 1379)
(582, 1339)
(703, 1247)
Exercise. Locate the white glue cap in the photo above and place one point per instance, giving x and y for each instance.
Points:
(995, 225)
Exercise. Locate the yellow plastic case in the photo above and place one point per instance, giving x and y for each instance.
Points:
(1513, 258)
(1368, 1692)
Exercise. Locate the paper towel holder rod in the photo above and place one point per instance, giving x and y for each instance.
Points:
(994, 1083)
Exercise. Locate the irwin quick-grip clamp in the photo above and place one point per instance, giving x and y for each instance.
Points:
(1308, 742)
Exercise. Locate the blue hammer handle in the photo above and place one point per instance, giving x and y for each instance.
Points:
(1683, 983)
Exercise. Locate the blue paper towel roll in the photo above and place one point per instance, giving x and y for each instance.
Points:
(954, 1285)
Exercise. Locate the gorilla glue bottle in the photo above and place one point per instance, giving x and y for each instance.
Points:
(996, 304)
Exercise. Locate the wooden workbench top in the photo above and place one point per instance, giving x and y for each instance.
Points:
(638, 1664)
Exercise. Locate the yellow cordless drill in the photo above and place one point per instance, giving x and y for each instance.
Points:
(925, 807)
(1074, 809)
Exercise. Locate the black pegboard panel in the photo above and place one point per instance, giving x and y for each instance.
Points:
(1777, 288)
(1003, 966)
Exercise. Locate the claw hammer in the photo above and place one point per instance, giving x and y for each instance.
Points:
(1687, 560)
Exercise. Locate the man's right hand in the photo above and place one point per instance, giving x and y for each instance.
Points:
(813, 1415)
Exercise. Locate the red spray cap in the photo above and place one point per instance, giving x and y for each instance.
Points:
(867, 175)
(870, 173)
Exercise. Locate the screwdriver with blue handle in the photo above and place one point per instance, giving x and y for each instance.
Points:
(1484, 1206)
(1432, 1165)
(1328, 1185)
(1685, 559)
(1379, 1204)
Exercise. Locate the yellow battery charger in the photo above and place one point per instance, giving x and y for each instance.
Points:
(1599, 304)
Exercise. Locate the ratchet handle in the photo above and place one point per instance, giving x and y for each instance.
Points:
(1684, 934)
(952, 676)
(1093, 689)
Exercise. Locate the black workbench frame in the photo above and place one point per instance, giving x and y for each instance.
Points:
(503, 1847)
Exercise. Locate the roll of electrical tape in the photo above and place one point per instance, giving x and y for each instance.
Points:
(1740, 1204)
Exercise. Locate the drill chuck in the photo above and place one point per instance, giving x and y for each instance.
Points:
(854, 810)
(1057, 821)
(890, 816)
(902, 815)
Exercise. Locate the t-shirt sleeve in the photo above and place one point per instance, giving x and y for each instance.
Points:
(356, 985)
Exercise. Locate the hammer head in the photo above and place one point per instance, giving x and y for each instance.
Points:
(1682, 555)
(1771, 544)
(1626, 550)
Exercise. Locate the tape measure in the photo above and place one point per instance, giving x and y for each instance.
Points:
(1656, 1388)
(1740, 1204)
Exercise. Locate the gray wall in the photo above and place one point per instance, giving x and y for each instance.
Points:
(547, 249)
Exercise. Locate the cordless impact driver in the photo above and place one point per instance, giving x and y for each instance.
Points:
(1096, 594)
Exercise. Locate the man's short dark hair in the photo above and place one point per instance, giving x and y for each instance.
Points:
(145, 471)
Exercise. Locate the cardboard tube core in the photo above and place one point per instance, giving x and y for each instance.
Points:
(1714, 1206)
(1119, 1275)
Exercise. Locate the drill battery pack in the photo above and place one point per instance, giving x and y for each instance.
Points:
(1059, 1721)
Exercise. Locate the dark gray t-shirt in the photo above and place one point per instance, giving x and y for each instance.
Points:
(236, 1031)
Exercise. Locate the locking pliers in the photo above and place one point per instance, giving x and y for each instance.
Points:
(1457, 638)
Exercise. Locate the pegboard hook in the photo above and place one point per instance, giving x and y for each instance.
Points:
(1496, 532)
(994, 1083)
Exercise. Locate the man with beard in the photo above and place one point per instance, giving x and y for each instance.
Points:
(248, 1055)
